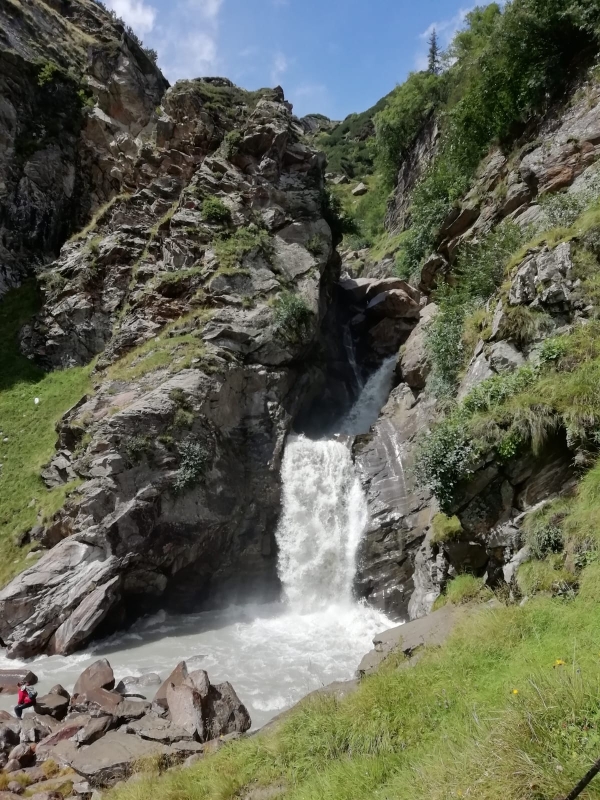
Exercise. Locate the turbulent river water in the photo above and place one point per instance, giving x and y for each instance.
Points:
(272, 654)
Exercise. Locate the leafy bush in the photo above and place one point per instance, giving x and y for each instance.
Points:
(195, 459)
(480, 269)
(510, 67)
(543, 532)
(315, 245)
(446, 456)
(496, 390)
(47, 73)
(563, 208)
(445, 528)
(293, 318)
(232, 142)
(137, 448)
(214, 210)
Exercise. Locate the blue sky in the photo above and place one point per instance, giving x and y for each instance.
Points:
(330, 56)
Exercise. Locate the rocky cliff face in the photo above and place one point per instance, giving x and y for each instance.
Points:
(71, 80)
(403, 567)
(200, 285)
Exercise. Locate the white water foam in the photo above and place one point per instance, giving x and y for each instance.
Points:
(272, 654)
(324, 516)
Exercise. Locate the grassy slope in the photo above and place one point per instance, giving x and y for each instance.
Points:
(29, 428)
(494, 714)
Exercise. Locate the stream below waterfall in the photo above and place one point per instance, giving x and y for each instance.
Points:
(272, 654)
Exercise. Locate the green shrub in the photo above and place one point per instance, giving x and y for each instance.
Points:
(563, 208)
(553, 349)
(137, 448)
(314, 245)
(48, 73)
(293, 318)
(214, 210)
(446, 456)
(232, 142)
(231, 248)
(195, 459)
(480, 269)
(496, 390)
(510, 66)
(398, 124)
(543, 530)
(445, 528)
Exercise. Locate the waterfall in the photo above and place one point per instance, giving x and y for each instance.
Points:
(351, 354)
(324, 507)
(372, 398)
(324, 515)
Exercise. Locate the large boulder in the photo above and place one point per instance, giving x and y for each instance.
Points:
(158, 729)
(97, 702)
(186, 710)
(52, 705)
(10, 678)
(224, 713)
(393, 304)
(113, 757)
(98, 675)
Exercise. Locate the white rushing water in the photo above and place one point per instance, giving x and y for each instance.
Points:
(272, 654)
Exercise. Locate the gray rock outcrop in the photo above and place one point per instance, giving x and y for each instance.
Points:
(203, 289)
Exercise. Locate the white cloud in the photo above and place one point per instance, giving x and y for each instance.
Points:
(187, 40)
(445, 29)
(140, 16)
(279, 67)
(209, 9)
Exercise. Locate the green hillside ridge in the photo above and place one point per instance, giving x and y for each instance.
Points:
(502, 72)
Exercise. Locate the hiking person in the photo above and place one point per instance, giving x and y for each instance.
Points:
(26, 698)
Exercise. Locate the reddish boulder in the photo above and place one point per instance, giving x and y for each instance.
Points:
(185, 708)
(98, 675)
(178, 677)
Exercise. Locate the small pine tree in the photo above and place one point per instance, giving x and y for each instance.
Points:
(433, 60)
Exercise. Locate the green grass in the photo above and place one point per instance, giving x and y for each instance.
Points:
(174, 348)
(507, 709)
(29, 428)
(445, 528)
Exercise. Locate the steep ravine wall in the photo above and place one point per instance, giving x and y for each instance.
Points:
(402, 567)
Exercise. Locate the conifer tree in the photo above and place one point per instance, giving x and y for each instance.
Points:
(433, 59)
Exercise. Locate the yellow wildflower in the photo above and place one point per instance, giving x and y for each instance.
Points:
(515, 691)
(559, 663)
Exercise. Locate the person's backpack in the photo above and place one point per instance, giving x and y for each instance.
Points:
(31, 693)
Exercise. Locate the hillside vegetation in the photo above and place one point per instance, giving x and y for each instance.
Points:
(502, 73)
